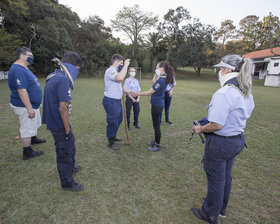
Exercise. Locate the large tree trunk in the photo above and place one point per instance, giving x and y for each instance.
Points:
(197, 70)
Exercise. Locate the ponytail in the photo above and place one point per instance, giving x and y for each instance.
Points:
(245, 76)
(169, 71)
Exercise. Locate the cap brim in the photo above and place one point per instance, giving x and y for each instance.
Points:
(225, 65)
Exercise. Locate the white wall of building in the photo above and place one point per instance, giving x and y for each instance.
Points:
(273, 67)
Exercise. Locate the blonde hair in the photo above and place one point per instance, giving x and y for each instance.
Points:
(245, 76)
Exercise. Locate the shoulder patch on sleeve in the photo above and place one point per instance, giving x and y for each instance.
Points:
(157, 85)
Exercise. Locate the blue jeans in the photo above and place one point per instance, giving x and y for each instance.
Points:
(65, 155)
(167, 102)
(113, 108)
(218, 159)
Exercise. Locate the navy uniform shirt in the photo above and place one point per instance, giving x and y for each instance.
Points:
(20, 77)
(157, 98)
(57, 89)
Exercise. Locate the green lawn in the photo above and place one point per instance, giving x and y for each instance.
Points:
(133, 185)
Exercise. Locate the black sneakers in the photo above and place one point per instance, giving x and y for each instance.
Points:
(112, 144)
(151, 143)
(75, 187)
(76, 169)
(169, 122)
(200, 214)
(136, 126)
(31, 154)
(154, 147)
(222, 214)
(35, 140)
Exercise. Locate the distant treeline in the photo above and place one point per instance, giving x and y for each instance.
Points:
(50, 29)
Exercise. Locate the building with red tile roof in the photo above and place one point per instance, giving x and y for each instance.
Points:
(267, 53)
(266, 65)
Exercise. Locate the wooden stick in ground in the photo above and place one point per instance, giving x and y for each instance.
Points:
(125, 120)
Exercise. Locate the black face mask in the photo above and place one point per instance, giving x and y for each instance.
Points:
(120, 67)
(30, 60)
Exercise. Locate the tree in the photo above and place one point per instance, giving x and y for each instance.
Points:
(226, 32)
(249, 28)
(170, 28)
(8, 46)
(133, 22)
(199, 43)
(269, 32)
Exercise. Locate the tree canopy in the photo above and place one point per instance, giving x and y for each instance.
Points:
(50, 29)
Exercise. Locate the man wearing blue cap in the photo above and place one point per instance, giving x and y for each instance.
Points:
(56, 107)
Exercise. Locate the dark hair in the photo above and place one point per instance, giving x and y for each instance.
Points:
(168, 70)
(117, 57)
(22, 50)
(73, 58)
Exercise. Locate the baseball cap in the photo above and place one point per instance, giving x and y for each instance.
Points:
(231, 61)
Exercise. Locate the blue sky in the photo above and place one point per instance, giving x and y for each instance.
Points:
(211, 12)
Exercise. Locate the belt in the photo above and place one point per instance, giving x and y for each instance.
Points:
(233, 136)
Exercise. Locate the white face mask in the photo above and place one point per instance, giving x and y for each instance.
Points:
(222, 79)
(132, 74)
(157, 72)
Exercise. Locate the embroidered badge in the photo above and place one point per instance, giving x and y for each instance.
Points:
(18, 82)
(157, 85)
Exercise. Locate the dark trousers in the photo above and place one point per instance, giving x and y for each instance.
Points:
(113, 108)
(167, 102)
(136, 110)
(218, 159)
(156, 111)
(65, 155)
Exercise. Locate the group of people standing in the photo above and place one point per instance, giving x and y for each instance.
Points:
(229, 109)
(161, 95)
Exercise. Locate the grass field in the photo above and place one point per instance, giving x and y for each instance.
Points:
(133, 185)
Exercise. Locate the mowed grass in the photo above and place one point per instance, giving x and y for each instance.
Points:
(133, 185)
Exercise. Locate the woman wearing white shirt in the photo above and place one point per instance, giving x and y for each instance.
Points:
(132, 84)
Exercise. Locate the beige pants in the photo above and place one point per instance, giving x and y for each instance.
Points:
(28, 126)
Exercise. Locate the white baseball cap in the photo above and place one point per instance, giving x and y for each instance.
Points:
(231, 61)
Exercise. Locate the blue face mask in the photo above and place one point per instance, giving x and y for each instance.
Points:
(30, 60)
(120, 68)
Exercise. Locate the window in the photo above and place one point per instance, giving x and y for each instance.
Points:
(276, 64)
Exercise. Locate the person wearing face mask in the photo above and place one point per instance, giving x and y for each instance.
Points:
(132, 84)
(113, 79)
(228, 112)
(57, 97)
(166, 72)
(25, 99)
(167, 97)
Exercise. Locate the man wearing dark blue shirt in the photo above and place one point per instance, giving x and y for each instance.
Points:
(56, 107)
(25, 99)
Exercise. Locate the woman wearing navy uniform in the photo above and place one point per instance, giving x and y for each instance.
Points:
(167, 98)
(132, 84)
(157, 99)
(228, 112)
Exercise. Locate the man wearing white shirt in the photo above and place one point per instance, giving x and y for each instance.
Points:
(113, 78)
